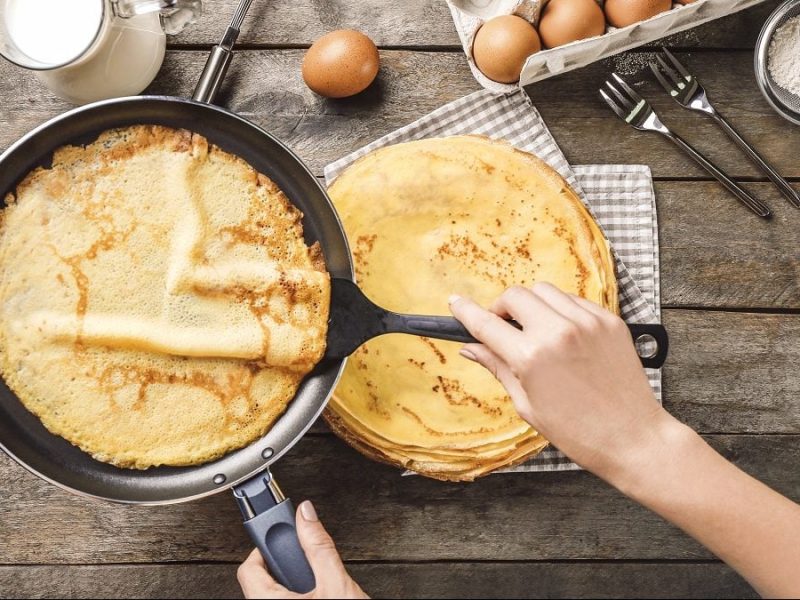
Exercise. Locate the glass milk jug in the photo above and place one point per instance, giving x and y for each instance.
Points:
(86, 50)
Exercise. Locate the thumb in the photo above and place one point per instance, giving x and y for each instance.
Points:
(318, 545)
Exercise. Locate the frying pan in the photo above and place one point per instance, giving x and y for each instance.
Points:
(268, 516)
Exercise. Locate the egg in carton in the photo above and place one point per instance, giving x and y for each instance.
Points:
(470, 15)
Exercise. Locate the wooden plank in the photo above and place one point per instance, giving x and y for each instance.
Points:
(374, 514)
(387, 580)
(733, 372)
(425, 23)
(588, 132)
(266, 86)
(715, 253)
(120, 581)
(301, 22)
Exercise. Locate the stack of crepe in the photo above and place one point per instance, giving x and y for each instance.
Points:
(427, 219)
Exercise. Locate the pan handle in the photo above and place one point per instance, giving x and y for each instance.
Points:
(651, 338)
(269, 518)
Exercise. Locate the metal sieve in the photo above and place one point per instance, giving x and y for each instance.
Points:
(783, 101)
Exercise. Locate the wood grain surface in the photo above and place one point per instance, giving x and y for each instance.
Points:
(416, 23)
(266, 87)
(730, 285)
(375, 514)
(596, 579)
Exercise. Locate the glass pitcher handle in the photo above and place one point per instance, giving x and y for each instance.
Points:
(175, 14)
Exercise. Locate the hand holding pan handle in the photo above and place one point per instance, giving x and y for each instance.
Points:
(269, 518)
(356, 319)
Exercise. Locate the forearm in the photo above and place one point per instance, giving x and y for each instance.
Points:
(751, 527)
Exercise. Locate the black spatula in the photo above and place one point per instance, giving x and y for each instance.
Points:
(354, 319)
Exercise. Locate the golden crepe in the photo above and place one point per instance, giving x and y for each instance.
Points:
(427, 219)
(158, 304)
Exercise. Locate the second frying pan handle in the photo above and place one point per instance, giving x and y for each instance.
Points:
(448, 328)
(269, 518)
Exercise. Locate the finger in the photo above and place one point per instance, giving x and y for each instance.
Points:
(562, 303)
(522, 305)
(255, 580)
(318, 545)
(486, 327)
(592, 307)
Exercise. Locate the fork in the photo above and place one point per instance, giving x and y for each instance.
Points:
(687, 91)
(637, 112)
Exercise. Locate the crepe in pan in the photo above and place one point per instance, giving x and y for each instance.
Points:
(426, 219)
(158, 303)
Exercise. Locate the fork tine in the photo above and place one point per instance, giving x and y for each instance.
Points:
(677, 64)
(633, 95)
(672, 73)
(620, 113)
(627, 104)
(668, 87)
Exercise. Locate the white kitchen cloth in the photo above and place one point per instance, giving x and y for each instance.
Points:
(621, 198)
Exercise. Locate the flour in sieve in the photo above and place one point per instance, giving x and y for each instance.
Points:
(784, 56)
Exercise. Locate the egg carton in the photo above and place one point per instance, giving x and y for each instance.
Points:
(469, 15)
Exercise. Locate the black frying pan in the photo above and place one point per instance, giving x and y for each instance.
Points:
(269, 517)
(26, 440)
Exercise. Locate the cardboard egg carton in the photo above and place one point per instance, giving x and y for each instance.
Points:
(469, 15)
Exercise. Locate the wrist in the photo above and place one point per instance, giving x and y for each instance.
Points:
(649, 459)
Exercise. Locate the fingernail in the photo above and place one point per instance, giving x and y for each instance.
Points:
(454, 298)
(308, 511)
(468, 355)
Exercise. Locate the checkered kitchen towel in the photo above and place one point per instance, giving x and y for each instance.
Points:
(620, 197)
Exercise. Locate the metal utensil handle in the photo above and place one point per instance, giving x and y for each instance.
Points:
(787, 190)
(448, 328)
(755, 205)
(220, 58)
(213, 73)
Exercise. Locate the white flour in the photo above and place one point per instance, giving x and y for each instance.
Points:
(784, 56)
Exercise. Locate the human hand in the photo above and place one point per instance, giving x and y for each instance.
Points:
(333, 581)
(572, 372)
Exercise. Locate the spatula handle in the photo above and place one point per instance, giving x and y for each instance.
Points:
(652, 338)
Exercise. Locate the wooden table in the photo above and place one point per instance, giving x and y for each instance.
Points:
(731, 291)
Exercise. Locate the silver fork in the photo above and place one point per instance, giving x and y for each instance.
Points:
(687, 91)
(637, 112)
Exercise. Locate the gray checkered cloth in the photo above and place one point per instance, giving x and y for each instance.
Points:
(621, 198)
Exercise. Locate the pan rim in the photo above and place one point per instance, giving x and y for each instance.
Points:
(349, 274)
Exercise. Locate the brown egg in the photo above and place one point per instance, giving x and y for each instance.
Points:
(501, 46)
(685, 1)
(621, 13)
(341, 63)
(564, 21)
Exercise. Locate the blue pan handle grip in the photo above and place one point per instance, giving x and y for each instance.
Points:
(269, 518)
